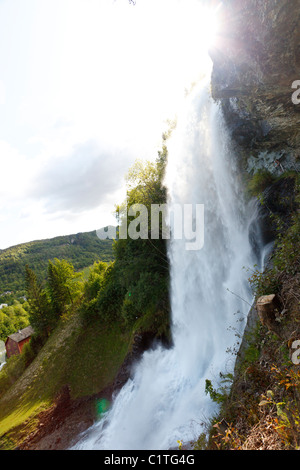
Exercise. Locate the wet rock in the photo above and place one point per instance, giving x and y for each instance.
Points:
(269, 308)
(278, 205)
(141, 342)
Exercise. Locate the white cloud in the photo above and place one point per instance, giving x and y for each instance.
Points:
(13, 169)
(82, 180)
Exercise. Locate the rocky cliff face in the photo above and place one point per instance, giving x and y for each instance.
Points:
(256, 60)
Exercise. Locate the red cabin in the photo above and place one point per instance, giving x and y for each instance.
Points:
(15, 342)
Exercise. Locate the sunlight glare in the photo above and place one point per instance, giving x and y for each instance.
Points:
(142, 58)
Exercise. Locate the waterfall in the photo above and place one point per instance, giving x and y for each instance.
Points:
(165, 401)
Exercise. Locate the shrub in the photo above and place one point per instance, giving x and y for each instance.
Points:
(129, 312)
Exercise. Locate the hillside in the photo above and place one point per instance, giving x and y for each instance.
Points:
(82, 250)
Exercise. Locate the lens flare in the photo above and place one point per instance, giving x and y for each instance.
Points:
(102, 406)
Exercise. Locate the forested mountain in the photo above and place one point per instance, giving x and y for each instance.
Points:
(82, 250)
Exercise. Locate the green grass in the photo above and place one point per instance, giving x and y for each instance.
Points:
(97, 355)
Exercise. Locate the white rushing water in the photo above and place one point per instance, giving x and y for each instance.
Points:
(165, 401)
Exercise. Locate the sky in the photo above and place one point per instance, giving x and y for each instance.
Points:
(86, 88)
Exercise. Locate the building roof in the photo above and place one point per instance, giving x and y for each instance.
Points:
(21, 334)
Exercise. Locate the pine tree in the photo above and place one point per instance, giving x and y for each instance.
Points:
(63, 286)
(39, 307)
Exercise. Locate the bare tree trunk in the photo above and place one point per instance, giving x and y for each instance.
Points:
(268, 308)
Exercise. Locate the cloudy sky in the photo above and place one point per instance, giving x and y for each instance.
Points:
(86, 88)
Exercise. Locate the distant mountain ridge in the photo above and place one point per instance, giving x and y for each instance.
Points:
(81, 249)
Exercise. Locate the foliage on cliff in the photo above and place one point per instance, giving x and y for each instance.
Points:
(136, 283)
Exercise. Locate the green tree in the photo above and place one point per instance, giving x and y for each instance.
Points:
(12, 319)
(136, 284)
(64, 287)
(39, 305)
(95, 282)
(140, 275)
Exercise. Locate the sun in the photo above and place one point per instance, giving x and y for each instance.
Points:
(209, 26)
(193, 29)
(200, 26)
